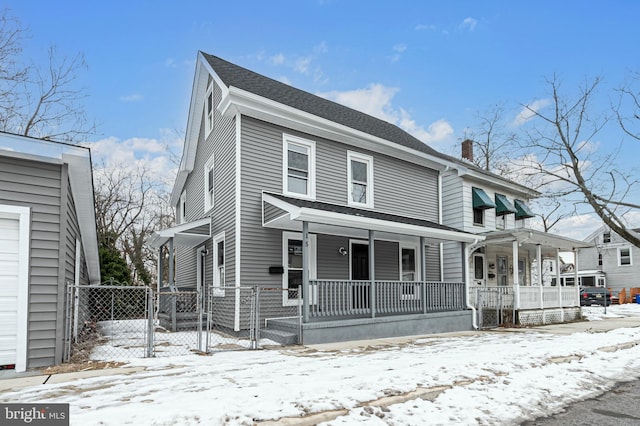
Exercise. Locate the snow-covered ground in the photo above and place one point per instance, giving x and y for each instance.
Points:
(483, 378)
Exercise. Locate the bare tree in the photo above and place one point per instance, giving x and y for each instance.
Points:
(491, 139)
(628, 108)
(43, 102)
(129, 207)
(571, 167)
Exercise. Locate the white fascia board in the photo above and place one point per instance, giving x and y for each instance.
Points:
(247, 103)
(81, 180)
(194, 121)
(339, 219)
(498, 184)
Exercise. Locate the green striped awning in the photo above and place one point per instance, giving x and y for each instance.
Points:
(503, 205)
(481, 200)
(523, 211)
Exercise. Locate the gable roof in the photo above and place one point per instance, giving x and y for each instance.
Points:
(230, 76)
(242, 78)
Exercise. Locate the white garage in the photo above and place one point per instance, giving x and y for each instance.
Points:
(14, 260)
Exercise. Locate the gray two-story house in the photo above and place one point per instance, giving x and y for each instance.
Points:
(281, 188)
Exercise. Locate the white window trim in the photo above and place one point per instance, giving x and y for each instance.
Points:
(218, 287)
(311, 181)
(418, 262)
(209, 198)
(182, 207)
(209, 115)
(630, 256)
(286, 236)
(368, 160)
(23, 214)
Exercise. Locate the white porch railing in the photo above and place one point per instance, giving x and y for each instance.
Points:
(342, 299)
(534, 297)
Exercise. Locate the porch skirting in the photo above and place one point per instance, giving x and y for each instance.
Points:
(534, 317)
(381, 327)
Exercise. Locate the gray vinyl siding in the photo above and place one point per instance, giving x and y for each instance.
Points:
(331, 264)
(387, 259)
(38, 185)
(452, 264)
(399, 188)
(221, 144)
(432, 255)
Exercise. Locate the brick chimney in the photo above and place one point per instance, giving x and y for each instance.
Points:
(467, 150)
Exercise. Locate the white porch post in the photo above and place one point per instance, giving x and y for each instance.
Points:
(372, 275)
(160, 267)
(575, 267)
(423, 273)
(172, 281)
(516, 283)
(558, 281)
(306, 296)
(539, 263)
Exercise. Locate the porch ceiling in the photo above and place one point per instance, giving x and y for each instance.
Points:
(342, 220)
(187, 234)
(530, 238)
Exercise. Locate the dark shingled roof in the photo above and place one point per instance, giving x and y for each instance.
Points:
(352, 211)
(242, 78)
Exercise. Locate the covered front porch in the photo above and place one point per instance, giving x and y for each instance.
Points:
(518, 270)
(366, 274)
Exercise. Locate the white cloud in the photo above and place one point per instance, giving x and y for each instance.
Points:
(376, 100)
(469, 24)
(528, 111)
(398, 49)
(302, 64)
(423, 27)
(134, 97)
(277, 59)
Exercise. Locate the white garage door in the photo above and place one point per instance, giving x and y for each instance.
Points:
(9, 267)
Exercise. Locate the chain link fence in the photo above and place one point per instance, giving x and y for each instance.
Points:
(116, 323)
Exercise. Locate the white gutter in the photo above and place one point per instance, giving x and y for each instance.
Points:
(467, 253)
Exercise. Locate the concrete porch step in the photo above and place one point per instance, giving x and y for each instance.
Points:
(279, 336)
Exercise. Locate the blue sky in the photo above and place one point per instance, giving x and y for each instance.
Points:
(428, 66)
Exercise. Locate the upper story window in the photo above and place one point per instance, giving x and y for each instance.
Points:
(208, 184)
(208, 110)
(299, 171)
(360, 179)
(481, 202)
(599, 259)
(606, 237)
(478, 216)
(182, 207)
(624, 256)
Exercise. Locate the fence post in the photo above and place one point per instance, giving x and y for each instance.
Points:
(150, 328)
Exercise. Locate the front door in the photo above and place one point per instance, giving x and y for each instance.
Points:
(502, 270)
(360, 272)
(478, 269)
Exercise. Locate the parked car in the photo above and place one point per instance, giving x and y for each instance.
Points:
(595, 296)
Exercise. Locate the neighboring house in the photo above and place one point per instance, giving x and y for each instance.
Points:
(614, 260)
(285, 189)
(47, 240)
(496, 208)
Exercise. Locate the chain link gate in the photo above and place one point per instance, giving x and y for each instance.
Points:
(494, 307)
(117, 323)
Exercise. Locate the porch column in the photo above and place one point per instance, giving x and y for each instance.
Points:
(575, 267)
(516, 283)
(305, 271)
(372, 274)
(539, 263)
(423, 273)
(160, 267)
(172, 281)
(559, 284)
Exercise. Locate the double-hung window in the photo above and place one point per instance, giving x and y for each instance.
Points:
(208, 184)
(299, 167)
(208, 110)
(218, 265)
(360, 179)
(624, 256)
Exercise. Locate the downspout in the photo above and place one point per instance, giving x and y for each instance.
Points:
(441, 244)
(466, 252)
